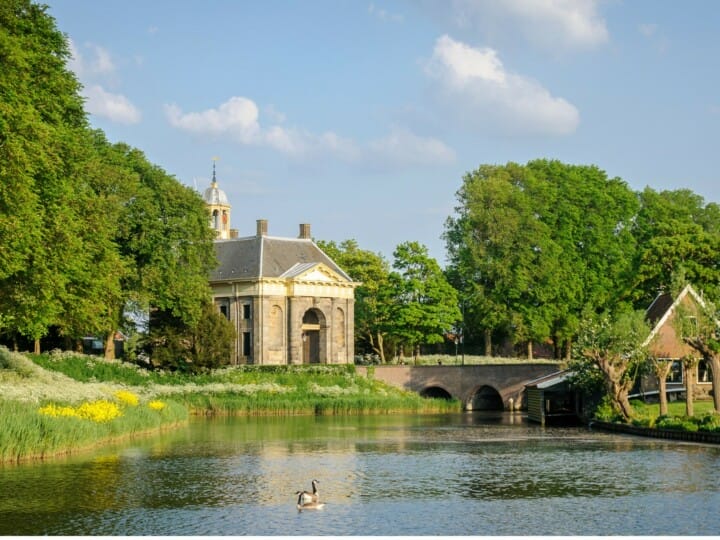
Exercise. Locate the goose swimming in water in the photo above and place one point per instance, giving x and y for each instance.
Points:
(307, 497)
(309, 501)
(314, 505)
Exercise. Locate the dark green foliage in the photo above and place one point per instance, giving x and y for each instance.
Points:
(531, 247)
(86, 228)
(173, 344)
(372, 271)
(213, 339)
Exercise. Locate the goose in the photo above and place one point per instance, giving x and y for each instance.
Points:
(305, 497)
(313, 505)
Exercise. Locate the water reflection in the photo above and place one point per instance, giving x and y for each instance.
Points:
(392, 475)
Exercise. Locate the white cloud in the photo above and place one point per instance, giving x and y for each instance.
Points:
(93, 69)
(99, 63)
(115, 107)
(553, 24)
(401, 148)
(465, 64)
(475, 87)
(238, 118)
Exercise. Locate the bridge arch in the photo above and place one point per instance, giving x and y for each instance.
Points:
(435, 391)
(485, 398)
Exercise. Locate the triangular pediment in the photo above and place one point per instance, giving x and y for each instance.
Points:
(666, 312)
(313, 272)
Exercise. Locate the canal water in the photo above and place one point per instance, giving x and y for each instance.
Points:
(458, 474)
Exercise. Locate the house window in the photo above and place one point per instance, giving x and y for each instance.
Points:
(246, 311)
(676, 372)
(246, 344)
(223, 305)
(704, 372)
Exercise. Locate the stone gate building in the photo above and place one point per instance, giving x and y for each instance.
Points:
(289, 302)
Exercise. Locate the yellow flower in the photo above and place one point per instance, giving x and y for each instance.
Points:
(57, 410)
(99, 411)
(127, 398)
(156, 405)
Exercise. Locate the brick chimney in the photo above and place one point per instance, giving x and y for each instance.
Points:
(304, 231)
(262, 227)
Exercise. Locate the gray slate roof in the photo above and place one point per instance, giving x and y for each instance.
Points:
(254, 257)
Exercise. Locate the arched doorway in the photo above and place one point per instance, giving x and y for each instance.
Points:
(435, 392)
(313, 330)
(486, 399)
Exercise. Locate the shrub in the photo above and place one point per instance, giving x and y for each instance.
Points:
(605, 412)
(709, 422)
(680, 423)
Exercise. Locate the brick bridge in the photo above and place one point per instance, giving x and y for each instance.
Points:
(478, 387)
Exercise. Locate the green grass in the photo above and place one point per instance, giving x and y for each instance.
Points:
(25, 433)
(704, 418)
(28, 382)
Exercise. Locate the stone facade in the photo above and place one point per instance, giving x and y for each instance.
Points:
(289, 302)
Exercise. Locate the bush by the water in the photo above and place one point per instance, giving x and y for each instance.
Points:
(709, 422)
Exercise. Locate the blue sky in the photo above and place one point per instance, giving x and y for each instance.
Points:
(361, 118)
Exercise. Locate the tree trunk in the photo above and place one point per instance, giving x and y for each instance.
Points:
(568, 349)
(715, 366)
(688, 368)
(488, 342)
(617, 390)
(530, 349)
(662, 395)
(380, 348)
(661, 368)
(619, 394)
(110, 346)
(37, 347)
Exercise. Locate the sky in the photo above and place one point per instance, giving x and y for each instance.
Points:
(361, 118)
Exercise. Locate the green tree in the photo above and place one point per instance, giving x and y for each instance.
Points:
(42, 128)
(165, 238)
(676, 232)
(86, 228)
(614, 346)
(425, 305)
(372, 271)
(533, 246)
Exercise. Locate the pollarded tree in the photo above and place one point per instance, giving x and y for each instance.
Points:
(697, 323)
(614, 345)
(424, 305)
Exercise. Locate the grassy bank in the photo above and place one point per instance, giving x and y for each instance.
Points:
(704, 419)
(647, 415)
(56, 403)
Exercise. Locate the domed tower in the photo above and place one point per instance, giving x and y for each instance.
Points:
(219, 207)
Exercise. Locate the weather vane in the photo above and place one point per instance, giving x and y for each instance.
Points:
(214, 159)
